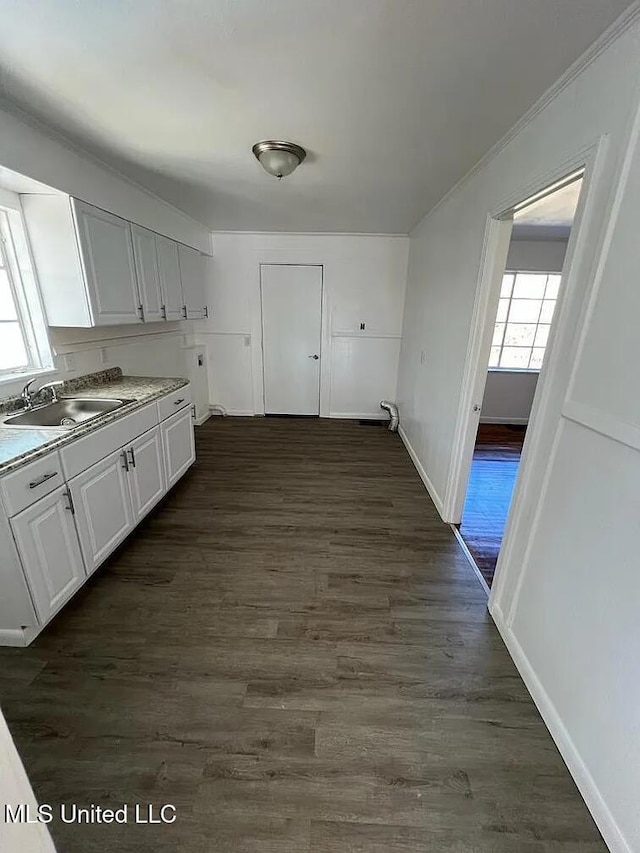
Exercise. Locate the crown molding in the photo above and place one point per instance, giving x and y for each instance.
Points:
(620, 26)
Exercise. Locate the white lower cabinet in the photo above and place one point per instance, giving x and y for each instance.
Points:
(178, 444)
(104, 515)
(58, 539)
(49, 550)
(147, 483)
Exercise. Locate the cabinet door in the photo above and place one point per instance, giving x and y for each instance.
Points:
(49, 550)
(144, 252)
(103, 508)
(192, 274)
(178, 445)
(170, 282)
(107, 259)
(146, 472)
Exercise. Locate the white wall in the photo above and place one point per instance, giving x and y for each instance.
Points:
(364, 281)
(28, 147)
(567, 592)
(508, 395)
(15, 790)
(536, 255)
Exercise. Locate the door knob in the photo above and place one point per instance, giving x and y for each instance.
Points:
(315, 357)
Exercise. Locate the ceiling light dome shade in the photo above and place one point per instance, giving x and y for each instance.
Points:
(279, 158)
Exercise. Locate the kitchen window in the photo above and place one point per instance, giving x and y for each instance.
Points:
(525, 311)
(24, 345)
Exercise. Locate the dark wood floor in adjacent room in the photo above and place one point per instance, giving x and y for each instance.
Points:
(496, 459)
(293, 651)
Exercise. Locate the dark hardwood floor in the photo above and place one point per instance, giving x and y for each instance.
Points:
(293, 651)
(496, 458)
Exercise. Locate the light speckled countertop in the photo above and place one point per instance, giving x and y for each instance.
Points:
(20, 445)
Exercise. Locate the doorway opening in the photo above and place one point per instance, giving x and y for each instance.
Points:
(520, 328)
(291, 296)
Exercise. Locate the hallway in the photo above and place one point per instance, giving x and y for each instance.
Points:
(294, 651)
(496, 459)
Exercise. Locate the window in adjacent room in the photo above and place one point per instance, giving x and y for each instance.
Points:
(525, 311)
(24, 346)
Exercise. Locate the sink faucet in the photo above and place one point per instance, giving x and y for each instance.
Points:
(28, 396)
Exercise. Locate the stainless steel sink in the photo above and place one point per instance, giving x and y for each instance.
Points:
(65, 412)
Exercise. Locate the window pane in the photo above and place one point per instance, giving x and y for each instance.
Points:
(7, 308)
(520, 334)
(524, 310)
(498, 334)
(537, 355)
(503, 309)
(507, 285)
(542, 336)
(553, 286)
(548, 307)
(13, 352)
(494, 358)
(515, 357)
(530, 285)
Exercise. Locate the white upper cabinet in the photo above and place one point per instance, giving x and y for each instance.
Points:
(170, 283)
(148, 273)
(106, 254)
(96, 269)
(192, 273)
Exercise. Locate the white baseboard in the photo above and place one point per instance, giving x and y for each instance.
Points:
(18, 637)
(585, 782)
(433, 494)
(236, 413)
(202, 419)
(508, 421)
(359, 416)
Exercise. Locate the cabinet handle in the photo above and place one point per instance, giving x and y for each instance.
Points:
(177, 402)
(141, 311)
(184, 311)
(125, 461)
(35, 483)
(206, 311)
(193, 411)
(70, 505)
(164, 312)
(132, 457)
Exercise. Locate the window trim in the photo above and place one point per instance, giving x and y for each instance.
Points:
(516, 272)
(15, 255)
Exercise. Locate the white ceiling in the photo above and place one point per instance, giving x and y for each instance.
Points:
(550, 217)
(394, 99)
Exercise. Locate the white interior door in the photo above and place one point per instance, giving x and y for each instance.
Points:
(291, 334)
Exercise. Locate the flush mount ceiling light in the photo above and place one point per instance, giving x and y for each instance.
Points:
(278, 158)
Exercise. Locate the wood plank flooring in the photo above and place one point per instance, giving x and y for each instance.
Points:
(295, 653)
(496, 459)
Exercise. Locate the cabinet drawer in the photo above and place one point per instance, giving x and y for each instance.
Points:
(174, 402)
(32, 482)
(96, 445)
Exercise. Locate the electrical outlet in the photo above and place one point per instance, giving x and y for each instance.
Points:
(104, 355)
(247, 340)
(200, 359)
(423, 357)
(68, 362)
